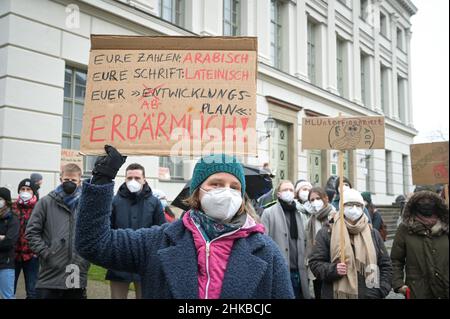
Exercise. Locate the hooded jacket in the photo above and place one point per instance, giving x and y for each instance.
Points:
(422, 253)
(134, 210)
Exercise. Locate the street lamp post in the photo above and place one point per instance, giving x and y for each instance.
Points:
(270, 124)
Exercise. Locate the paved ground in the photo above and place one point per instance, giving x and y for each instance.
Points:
(100, 290)
(96, 290)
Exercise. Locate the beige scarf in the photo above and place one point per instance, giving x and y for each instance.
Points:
(357, 260)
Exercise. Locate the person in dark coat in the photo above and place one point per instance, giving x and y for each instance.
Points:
(26, 260)
(51, 235)
(133, 207)
(337, 197)
(37, 178)
(375, 215)
(367, 270)
(172, 259)
(168, 212)
(9, 233)
(420, 248)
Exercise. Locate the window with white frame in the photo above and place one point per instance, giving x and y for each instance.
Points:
(340, 47)
(364, 9)
(175, 166)
(399, 38)
(384, 88)
(383, 25)
(172, 11)
(231, 17)
(275, 33)
(74, 92)
(365, 79)
(311, 39)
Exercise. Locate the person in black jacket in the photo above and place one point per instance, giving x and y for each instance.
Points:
(366, 272)
(133, 207)
(9, 232)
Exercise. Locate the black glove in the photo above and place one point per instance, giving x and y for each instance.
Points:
(106, 167)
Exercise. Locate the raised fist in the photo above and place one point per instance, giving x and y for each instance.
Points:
(106, 167)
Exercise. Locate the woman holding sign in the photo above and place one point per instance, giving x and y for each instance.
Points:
(217, 250)
(366, 272)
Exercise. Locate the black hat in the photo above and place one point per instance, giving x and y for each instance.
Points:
(36, 177)
(5, 194)
(29, 183)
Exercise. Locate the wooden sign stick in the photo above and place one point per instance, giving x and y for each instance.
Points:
(341, 205)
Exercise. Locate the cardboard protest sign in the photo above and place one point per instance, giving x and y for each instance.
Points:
(71, 156)
(164, 173)
(343, 133)
(171, 95)
(429, 163)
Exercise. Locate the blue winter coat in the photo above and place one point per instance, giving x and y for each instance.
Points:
(134, 210)
(166, 258)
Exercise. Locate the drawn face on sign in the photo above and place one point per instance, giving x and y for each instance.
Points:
(349, 136)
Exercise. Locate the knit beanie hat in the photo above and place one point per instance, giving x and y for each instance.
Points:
(302, 184)
(27, 182)
(352, 195)
(217, 163)
(5, 194)
(367, 197)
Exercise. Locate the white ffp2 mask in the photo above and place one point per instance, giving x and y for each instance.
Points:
(353, 213)
(25, 196)
(287, 196)
(221, 204)
(317, 204)
(134, 186)
(303, 195)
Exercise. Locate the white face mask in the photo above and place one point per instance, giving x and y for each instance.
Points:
(303, 195)
(287, 196)
(25, 196)
(163, 203)
(353, 213)
(2, 203)
(317, 204)
(221, 204)
(134, 186)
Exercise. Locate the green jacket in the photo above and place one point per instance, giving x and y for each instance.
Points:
(423, 254)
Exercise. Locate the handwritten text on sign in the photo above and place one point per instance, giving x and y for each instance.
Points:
(343, 133)
(170, 102)
(429, 163)
(71, 156)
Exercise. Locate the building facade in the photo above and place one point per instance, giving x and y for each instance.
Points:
(316, 58)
